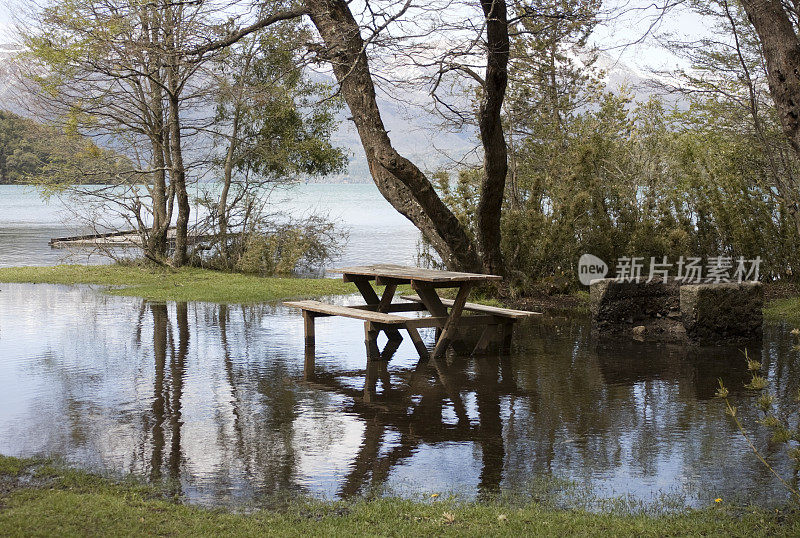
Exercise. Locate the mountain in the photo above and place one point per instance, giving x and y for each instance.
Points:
(7, 72)
(416, 133)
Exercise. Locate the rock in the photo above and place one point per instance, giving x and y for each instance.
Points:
(615, 304)
(671, 311)
(717, 312)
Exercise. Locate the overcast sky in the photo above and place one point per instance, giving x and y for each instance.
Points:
(612, 37)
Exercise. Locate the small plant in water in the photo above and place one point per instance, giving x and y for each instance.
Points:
(782, 432)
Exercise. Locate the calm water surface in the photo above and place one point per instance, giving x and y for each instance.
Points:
(214, 400)
(376, 230)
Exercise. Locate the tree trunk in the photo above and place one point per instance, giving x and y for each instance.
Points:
(401, 182)
(177, 168)
(156, 247)
(495, 157)
(222, 207)
(178, 180)
(781, 49)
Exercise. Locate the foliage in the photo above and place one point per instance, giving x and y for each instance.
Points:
(284, 119)
(592, 170)
(275, 124)
(785, 430)
(31, 152)
(121, 72)
(284, 248)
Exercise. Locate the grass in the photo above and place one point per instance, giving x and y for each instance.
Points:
(787, 310)
(186, 284)
(38, 498)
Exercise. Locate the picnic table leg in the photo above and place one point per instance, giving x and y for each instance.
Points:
(418, 343)
(371, 341)
(310, 350)
(451, 389)
(389, 350)
(489, 333)
(371, 380)
(450, 329)
(371, 297)
(434, 305)
(506, 332)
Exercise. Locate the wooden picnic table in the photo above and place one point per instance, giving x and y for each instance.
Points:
(380, 313)
(425, 282)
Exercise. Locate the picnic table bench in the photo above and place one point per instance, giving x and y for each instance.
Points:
(381, 314)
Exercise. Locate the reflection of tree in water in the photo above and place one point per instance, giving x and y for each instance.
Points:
(568, 406)
(254, 423)
(263, 405)
(168, 391)
(415, 408)
(645, 408)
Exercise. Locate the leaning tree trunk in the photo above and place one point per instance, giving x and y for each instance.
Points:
(401, 182)
(495, 155)
(781, 49)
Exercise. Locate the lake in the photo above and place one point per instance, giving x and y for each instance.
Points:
(376, 230)
(213, 400)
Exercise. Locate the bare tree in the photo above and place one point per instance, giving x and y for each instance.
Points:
(127, 74)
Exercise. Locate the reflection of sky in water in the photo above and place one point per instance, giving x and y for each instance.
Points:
(216, 398)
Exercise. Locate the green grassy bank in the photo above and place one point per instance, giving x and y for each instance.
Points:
(787, 309)
(191, 284)
(41, 499)
(186, 284)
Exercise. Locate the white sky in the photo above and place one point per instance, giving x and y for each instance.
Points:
(619, 37)
(611, 37)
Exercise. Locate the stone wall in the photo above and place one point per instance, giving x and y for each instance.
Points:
(672, 311)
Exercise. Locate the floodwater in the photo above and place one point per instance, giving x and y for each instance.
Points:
(215, 401)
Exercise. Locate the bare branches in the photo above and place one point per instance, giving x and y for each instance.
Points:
(241, 33)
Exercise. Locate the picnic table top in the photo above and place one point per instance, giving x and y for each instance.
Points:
(402, 272)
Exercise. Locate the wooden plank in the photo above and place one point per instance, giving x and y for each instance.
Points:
(506, 332)
(371, 341)
(450, 327)
(345, 311)
(401, 272)
(434, 305)
(475, 307)
(394, 307)
(439, 321)
(323, 309)
(390, 349)
(308, 327)
(121, 239)
(309, 367)
(429, 297)
(386, 298)
(385, 281)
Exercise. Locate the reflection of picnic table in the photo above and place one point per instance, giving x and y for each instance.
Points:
(380, 314)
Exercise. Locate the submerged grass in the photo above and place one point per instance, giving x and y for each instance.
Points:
(39, 498)
(185, 284)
